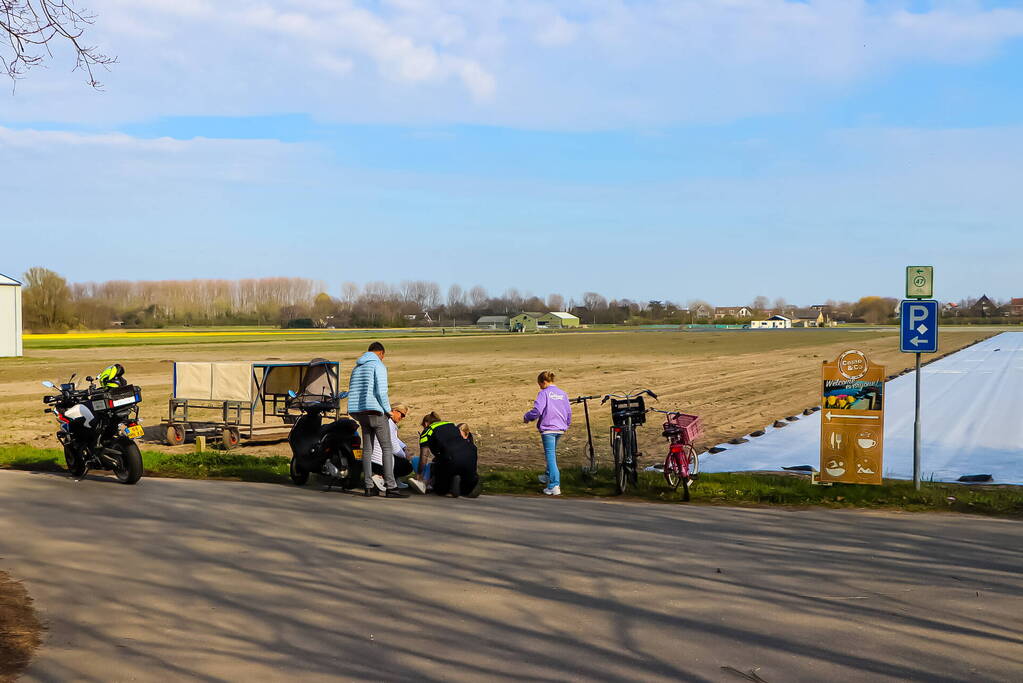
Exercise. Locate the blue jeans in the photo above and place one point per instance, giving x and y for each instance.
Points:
(550, 450)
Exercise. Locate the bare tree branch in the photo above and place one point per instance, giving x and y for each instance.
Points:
(29, 28)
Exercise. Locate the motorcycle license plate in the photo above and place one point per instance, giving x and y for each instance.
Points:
(134, 432)
(358, 453)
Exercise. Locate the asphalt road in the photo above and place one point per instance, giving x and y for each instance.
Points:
(225, 581)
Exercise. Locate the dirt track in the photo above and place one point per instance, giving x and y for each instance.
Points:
(737, 380)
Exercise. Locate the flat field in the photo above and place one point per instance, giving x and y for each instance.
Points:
(738, 381)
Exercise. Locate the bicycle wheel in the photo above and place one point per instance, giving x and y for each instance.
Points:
(672, 470)
(621, 473)
(690, 465)
(693, 459)
(633, 460)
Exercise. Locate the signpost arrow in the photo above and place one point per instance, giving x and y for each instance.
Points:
(830, 415)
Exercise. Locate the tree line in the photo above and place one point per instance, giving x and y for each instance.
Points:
(51, 303)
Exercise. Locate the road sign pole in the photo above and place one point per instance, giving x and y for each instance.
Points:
(916, 430)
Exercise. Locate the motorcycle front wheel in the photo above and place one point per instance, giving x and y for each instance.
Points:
(130, 469)
(298, 475)
(75, 462)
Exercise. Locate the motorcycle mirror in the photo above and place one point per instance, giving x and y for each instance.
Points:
(292, 394)
(48, 384)
(73, 375)
(89, 379)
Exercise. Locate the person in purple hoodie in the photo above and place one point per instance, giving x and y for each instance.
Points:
(553, 414)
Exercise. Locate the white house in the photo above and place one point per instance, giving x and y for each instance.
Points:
(10, 316)
(775, 322)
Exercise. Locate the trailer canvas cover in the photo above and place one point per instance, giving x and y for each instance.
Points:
(226, 381)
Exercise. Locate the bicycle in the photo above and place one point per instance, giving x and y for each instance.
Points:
(682, 464)
(628, 411)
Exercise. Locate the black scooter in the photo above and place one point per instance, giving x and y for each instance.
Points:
(325, 449)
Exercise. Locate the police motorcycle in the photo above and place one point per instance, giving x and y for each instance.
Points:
(99, 424)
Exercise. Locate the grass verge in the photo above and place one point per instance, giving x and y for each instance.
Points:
(713, 489)
(19, 629)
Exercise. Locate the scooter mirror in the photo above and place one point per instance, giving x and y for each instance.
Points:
(48, 384)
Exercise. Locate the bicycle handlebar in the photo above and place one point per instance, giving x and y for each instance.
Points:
(633, 394)
(580, 399)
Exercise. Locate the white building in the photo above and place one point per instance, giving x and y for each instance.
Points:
(10, 316)
(775, 322)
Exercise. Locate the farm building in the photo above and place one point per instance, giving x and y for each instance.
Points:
(737, 312)
(775, 322)
(493, 322)
(556, 319)
(10, 316)
(808, 317)
(524, 322)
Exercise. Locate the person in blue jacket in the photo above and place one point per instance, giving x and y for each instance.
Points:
(369, 406)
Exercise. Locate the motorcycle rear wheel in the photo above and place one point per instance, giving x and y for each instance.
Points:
(75, 462)
(130, 469)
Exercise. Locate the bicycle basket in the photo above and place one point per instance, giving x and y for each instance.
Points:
(691, 426)
(623, 409)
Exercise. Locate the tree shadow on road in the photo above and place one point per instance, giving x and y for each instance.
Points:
(296, 582)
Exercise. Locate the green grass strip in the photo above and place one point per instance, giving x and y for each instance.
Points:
(713, 489)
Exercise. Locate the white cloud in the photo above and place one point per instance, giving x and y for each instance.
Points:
(64, 160)
(549, 63)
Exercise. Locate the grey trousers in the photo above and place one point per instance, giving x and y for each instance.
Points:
(375, 428)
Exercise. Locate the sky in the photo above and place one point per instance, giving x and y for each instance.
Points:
(650, 149)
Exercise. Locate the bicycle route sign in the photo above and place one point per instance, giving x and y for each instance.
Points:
(919, 282)
(852, 420)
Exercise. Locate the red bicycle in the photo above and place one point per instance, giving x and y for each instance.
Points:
(681, 465)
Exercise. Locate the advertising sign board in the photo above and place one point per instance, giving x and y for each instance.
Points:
(852, 420)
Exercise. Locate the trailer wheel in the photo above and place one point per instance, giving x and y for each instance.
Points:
(230, 437)
(174, 434)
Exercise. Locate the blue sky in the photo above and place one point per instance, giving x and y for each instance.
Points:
(707, 149)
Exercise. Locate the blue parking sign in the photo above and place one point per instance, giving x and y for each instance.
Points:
(919, 326)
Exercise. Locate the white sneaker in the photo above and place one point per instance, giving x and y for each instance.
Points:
(552, 491)
(543, 478)
(418, 485)
(379, 481)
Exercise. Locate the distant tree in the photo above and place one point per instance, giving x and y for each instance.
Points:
(478, 297)
(456, 297)
(780, 303)
(45, 300)
(324, 305)
(760, 303)
(349, 294)
(31, 29)
(555, 302)
(874, 309)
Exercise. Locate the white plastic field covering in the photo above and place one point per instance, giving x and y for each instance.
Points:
(971, 417)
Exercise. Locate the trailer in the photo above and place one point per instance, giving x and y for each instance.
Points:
(223, 399)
